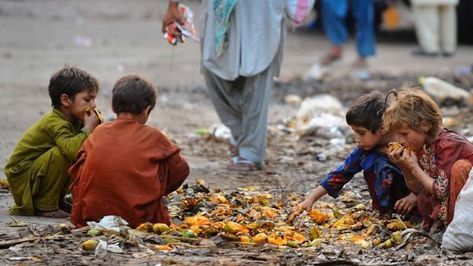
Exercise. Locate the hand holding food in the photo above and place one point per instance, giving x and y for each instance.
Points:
(394, 146)
(97, 113)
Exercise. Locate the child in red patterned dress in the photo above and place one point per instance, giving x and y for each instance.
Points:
(435, 161)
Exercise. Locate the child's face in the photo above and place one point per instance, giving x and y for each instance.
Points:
(411, 138)
(366, 139)
(81, 103)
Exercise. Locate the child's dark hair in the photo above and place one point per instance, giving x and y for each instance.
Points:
(132, 94)
(367, 111)
(70, 81)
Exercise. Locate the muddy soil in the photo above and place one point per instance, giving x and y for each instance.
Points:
(112, 38)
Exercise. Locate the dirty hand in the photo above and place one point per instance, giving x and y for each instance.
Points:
(406, 204)
(172, 14)
(395, 153)
(295, 212)
(403, 157)
(305, 205)
(91, 121)
(409, 160)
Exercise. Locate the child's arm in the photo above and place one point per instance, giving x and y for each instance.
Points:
(407, 161)
(316, 194)
(417, 180)
(178, 170)
(67, 140)
(333, 182)
(306, 205)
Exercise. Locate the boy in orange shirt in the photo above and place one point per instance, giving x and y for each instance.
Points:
(126, 168)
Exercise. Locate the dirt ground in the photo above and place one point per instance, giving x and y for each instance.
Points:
(111, 38)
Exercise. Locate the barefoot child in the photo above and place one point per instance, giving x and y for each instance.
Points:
(37, 168)
(126, 168)
(435, 161)
(386, 185)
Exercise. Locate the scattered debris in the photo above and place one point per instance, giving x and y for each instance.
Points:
(441, 90)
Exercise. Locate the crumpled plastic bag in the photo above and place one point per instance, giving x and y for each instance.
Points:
(103, 248)
(176, 32)
(220, 131)
(110, 223)
(323, 115)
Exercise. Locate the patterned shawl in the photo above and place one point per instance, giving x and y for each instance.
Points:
(222, 10)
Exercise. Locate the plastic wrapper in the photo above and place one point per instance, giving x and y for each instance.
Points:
(176, 32)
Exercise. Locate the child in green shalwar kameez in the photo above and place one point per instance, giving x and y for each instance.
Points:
(37, 168)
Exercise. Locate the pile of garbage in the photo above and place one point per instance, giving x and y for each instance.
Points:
(249, 218)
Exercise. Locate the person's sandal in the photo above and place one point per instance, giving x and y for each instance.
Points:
(233, 149)
(240, 164)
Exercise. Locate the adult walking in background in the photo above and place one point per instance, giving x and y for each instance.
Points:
(334, 14)
(242, 49)
(436, 27)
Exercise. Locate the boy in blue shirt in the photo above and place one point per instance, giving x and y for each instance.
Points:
(385, 181)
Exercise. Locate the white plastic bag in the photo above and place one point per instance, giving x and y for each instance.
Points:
(441, 90)
(459, 234)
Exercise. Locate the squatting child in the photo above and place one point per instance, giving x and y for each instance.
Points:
(435, 161)
(385, 182)
(126, 167)
(37, 169)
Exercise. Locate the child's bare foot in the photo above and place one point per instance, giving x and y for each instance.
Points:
(360, 63)
(332, 56)
(53, 214)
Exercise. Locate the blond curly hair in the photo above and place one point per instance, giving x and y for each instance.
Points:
(410, 106)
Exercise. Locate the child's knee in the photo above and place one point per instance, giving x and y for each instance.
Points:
(57, 154)
(52, 159)
(461, 169)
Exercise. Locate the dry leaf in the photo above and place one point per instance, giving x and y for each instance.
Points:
(318, 217)
(276, 240)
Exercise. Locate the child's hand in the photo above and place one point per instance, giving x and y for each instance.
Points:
(91, 121)
(305, 205)
(409, 160)
(294, 214)
(404, 158)
(395, 153)
(406, 204)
